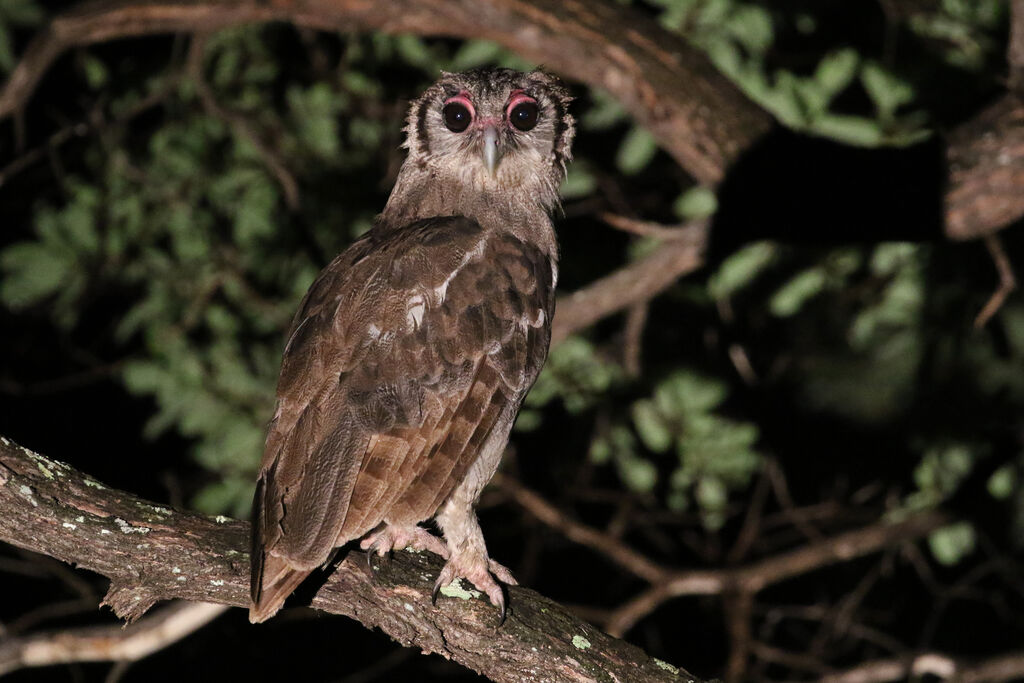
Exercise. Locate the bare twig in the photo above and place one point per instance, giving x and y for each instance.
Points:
(635, 282)
(755, 576)
(650, 228)
(1007, 282)
(607, 545)
(108, 643)
(667, 583)
(633, 338)
(737, 611)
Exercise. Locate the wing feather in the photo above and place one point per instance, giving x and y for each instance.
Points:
(405, 355)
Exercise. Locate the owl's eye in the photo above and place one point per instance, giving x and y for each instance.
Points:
(457, 116)
(524, 115)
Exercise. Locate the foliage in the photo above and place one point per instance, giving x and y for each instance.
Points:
(178, 229)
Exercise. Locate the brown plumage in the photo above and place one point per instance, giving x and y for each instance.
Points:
(412, 351)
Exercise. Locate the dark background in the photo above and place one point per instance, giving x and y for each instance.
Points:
(874, 396)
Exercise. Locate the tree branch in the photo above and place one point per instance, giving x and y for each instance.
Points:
(151, 552)
(668, 582)
(1006, 667)
(108, 643)
(633, 283)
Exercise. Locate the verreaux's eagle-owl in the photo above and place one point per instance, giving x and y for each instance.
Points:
(412, 351)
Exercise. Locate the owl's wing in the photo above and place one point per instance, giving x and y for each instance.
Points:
(409, 350)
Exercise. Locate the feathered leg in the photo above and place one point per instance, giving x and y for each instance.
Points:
(469, 554)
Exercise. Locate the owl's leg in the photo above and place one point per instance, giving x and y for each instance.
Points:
(398, 536)
(469, 555)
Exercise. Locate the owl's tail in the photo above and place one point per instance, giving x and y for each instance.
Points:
(273, 580)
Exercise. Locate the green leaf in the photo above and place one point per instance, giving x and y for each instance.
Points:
(474, 53)
(696, 202)
(687, 394)
(1003, 482)
(414, 50)
(96, 74)
(637, 474)
(952, 543)
(606, 113)
(653, 430)
(636, 151)
(579, 182)
(790, 298)
(752, 27)
(33, 272)
(741, 268)
(836, 70)
(314, 111)
(886, 90)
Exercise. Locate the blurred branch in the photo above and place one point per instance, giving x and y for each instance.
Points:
(633, 283)
(607, 545)
(1007, 282)
(1005, 667)
(108, 643)
(151, 552)
(667, 582)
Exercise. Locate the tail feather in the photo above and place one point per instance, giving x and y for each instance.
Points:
(274, 581)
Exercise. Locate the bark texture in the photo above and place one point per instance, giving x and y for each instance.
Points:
(152, 552)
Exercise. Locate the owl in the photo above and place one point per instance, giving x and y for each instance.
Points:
(411, 353)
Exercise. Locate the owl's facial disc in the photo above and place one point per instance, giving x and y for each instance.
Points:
(488, 131)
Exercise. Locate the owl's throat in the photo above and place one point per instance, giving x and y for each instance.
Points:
(505, 201)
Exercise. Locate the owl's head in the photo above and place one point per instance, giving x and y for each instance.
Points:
(494, 130)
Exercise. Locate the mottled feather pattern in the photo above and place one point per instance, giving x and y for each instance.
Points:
(411, 353)
(350, 374)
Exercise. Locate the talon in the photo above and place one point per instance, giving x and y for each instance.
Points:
(435, 591)
(502, 610)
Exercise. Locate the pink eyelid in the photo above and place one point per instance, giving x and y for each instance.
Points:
(464, 101)
(517, 99)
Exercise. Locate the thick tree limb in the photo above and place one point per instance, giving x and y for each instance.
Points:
(151, 552)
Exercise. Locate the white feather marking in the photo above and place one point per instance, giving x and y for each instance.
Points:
(442, 289)
(374, 331)
(414, 314)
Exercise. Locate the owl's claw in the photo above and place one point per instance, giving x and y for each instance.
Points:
(389, 538)
(481, 572)
(384, 558)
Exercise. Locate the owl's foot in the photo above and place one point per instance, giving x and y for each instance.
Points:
(481, 572)
(389, 538)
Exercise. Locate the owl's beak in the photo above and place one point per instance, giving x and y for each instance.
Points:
(491, 150)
